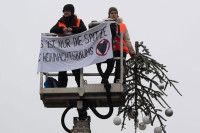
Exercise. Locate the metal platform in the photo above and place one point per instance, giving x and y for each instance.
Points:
(94, 94)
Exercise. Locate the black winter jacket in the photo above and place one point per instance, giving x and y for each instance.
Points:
(69, 23)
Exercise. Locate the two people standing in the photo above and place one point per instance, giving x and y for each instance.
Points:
(70, 24)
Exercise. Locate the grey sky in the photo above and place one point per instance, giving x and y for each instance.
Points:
(169, 28)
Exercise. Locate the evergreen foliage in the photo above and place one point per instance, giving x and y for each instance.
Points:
(145, 82)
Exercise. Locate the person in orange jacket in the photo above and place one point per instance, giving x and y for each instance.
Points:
(127, 45)
(68, 24)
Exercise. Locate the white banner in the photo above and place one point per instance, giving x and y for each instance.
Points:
(75, 51)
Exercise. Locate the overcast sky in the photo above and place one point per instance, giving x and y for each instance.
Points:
(169, 28)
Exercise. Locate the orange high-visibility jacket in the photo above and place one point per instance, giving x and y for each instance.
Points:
(63, 25)
(117, 45)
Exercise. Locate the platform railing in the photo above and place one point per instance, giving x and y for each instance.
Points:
(121, 58)
(84, 87)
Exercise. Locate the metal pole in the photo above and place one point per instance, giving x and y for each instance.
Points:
(41, 82)
(121, 59)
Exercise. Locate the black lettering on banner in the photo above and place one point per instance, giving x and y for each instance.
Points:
(60, 43)
(80, 55)
(59, 57)
(50, 57)
(102, 32)
(45, 57)
(67, 41)
(75, 55)
(50, 44)
(64, 56)
(91, 36)
(39, 57)
(64, 44)
(77, 40)
(67, 56)
(72, 55)
(85, 36)
(86, 52)
(91, 50)
(95, 35)
(41, 44)
(54, 57)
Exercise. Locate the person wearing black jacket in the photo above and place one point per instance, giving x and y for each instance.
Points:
(68, 24)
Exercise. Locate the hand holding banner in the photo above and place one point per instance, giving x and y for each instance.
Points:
(75, 51)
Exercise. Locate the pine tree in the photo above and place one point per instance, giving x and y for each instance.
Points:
(145, 80)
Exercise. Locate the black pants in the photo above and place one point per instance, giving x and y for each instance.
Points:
(117, 68)
(110, 66)
(63, 78)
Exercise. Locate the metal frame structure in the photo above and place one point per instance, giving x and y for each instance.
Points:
(93, 93)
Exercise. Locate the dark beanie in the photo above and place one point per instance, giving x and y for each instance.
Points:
(112, 9)
(69, 7)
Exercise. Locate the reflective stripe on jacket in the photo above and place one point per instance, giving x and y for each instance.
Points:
(117, 45)
(63, 25)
